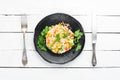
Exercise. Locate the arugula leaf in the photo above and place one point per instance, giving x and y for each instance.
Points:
(77, 37)
(76, 40)
(42, 47)
(41, 40)
(78, 46)
(44, 32)
(41, 43)
(78, 33)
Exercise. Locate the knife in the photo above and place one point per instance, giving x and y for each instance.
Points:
(94, 39)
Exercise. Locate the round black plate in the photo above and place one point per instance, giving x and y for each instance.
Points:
(52, 20)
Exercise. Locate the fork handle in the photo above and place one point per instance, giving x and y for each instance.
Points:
(94, 60)
(24, 56)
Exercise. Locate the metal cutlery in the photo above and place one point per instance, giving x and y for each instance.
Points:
(94, 39)
(24, 30)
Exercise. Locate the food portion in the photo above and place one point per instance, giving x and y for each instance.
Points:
(59, 38)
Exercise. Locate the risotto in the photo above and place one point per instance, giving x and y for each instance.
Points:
(59, 38)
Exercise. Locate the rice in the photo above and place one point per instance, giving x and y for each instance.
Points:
(60, 38)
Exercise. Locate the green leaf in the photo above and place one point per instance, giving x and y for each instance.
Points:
(41, 40)
(41, 43)
(77, 37)
(75, 40)
(57, 37)
(78, 47)
(44, 32)
(42, 47)
(78, 33)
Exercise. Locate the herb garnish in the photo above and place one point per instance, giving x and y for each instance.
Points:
(77, 36)
(41, 40)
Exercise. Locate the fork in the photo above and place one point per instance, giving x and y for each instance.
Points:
(24, 30)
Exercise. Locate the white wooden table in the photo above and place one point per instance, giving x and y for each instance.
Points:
(108, 39)
(11, 45)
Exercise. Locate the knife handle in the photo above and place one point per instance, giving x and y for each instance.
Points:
(94, 60)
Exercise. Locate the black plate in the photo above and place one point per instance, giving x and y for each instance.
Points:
(52, 20)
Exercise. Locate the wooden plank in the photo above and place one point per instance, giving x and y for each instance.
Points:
(108, 23)
(105, 59)
(59, 74)
(108, 58)
(108, 42)
(46, 7)
(10, 23)
(107, 12)
(11, 41)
